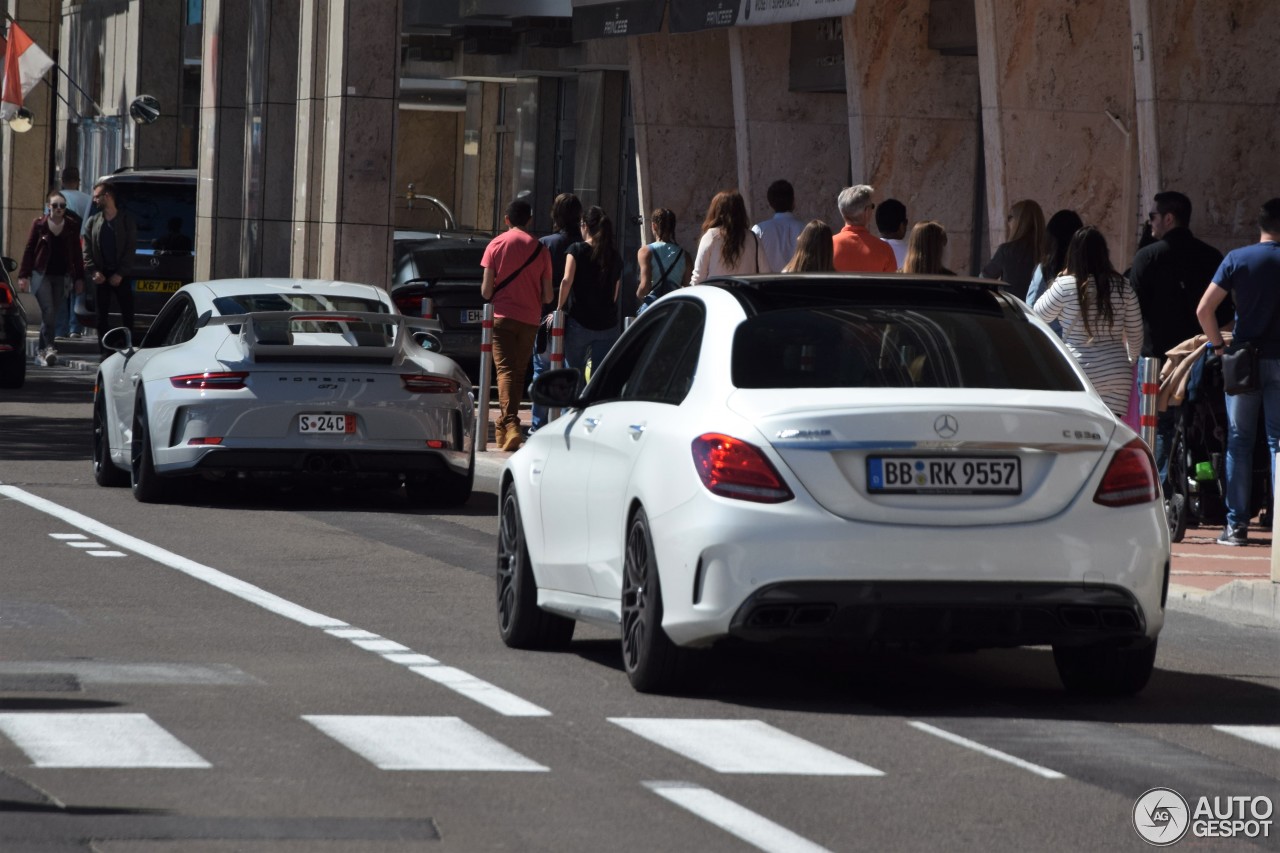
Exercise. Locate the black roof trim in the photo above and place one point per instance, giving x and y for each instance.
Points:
(773, 281)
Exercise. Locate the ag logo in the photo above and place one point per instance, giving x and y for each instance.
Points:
(1161, 817)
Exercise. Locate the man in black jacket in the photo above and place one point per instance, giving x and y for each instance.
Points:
(1170, 276)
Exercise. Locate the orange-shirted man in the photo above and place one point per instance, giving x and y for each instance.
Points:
(855, 248)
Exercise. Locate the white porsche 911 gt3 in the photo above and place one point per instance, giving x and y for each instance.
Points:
(287, 378)
(870, 460)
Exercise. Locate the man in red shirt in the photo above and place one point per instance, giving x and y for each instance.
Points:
(855, 249)
(517, 280)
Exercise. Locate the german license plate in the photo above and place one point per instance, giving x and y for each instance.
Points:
(945, 475)
(472, 316)
(313, 424)
(154, 285)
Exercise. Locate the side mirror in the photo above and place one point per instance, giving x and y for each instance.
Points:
(145, 109)
(118, 339)
(428, 341)
(10, 264)
(557, 389)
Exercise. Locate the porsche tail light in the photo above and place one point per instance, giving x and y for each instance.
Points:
(733, 468)
(1130, 478)
(206, 441)
(227, 381)
(425, 383)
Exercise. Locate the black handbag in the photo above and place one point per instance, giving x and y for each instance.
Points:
(1240, 368)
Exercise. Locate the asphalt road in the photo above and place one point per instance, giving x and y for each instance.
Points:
(287, 671)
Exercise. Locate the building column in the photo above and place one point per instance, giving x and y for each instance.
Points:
(1058, 114)
(348, 87)
(220, 207)
(159, 63)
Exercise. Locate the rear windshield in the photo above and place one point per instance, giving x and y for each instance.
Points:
(896, 346)
(165, 214)
(248, 304)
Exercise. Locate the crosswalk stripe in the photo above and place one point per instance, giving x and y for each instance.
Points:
(1264, 735)
(97, 740)
(733, 818)
(986, 750)
(479, 690)
(744, 746)
(421, 743)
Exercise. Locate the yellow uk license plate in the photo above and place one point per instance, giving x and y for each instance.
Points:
(153, 285)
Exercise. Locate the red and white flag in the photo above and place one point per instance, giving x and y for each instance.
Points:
(24, 65)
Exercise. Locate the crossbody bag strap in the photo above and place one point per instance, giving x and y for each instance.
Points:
(662, 270)
(537, 250)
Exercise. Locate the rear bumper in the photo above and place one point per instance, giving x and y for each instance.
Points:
(329, 463)
(942, 614)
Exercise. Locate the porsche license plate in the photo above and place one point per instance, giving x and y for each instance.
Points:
(312, 424)
(153, 285)
(945, 475)
(471, 316)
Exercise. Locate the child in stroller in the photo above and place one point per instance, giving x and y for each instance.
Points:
(1196, 480)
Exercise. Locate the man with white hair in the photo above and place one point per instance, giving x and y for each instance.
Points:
(855, 249)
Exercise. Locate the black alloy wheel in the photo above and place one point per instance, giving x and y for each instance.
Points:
(105, 472)
(653, 663)
(521, 624)
(148, 487)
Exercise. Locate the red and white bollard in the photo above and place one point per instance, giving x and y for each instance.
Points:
(486, 371)
(1149, 388)
(555, 357)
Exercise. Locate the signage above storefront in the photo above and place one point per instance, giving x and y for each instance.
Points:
(593, 19)
(688, 16)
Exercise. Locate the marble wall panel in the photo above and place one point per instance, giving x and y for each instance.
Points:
(368, 144)
(685, 80)
(687, 166)
(1209, 50)
(1223, 156)
(278, 159)
(275, 242)
(363, 253)
(368, 35)
(813, 156)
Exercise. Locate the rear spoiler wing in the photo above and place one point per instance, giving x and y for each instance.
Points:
(267, 337)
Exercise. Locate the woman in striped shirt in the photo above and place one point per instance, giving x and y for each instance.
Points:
(1100, 317)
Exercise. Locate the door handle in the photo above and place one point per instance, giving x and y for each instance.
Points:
(636, 431)
(591, 423)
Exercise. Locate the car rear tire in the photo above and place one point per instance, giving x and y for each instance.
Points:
(521, 624)
(148, 486)
(444, 490)
(1175, 511)
(653, 663)
(13, 369)
(1105, 670)
(105, 472)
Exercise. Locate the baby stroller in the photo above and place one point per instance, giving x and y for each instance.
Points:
(1197, 457)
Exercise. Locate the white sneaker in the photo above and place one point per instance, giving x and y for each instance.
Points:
(50, 357)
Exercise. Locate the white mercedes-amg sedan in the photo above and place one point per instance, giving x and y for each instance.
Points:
(298, 379)
(861, 460)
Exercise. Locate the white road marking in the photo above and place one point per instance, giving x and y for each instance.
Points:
(1264, 735)
(480, 691)
(106, 553)
(744, 746)
(986, 750)
(758, 831)
(422, 743)
(86, 544)
(97, 740)
(68, 536)
(380, 645)
(454, 679)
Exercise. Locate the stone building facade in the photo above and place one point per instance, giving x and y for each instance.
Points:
(308, 120)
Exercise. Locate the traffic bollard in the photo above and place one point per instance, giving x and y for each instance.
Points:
(486, 369)
(1149, 386)
(555, 360)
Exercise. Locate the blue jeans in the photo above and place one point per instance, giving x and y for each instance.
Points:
(581, 344)
(541, 364)
(1242, 413)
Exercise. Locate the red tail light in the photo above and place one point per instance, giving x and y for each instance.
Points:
(6, 295)
(733, 468)
(417, 305)
(425, 383)
(207, 440)
(1130, 478)
(229, 381)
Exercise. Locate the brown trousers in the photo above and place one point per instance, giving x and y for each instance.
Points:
(512, 348)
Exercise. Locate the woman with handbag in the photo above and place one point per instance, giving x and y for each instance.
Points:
(664, 265)
(51, 259)
(728, 245)
(1100, 317)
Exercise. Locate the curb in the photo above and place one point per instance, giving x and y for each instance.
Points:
(1258, 598)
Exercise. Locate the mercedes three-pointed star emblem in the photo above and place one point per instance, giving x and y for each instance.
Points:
(946, 426)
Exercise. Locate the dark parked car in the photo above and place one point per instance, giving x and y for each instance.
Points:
(13, 331)
(438, 274)
(163, 204)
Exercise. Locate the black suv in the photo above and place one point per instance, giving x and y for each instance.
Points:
(163, 204)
